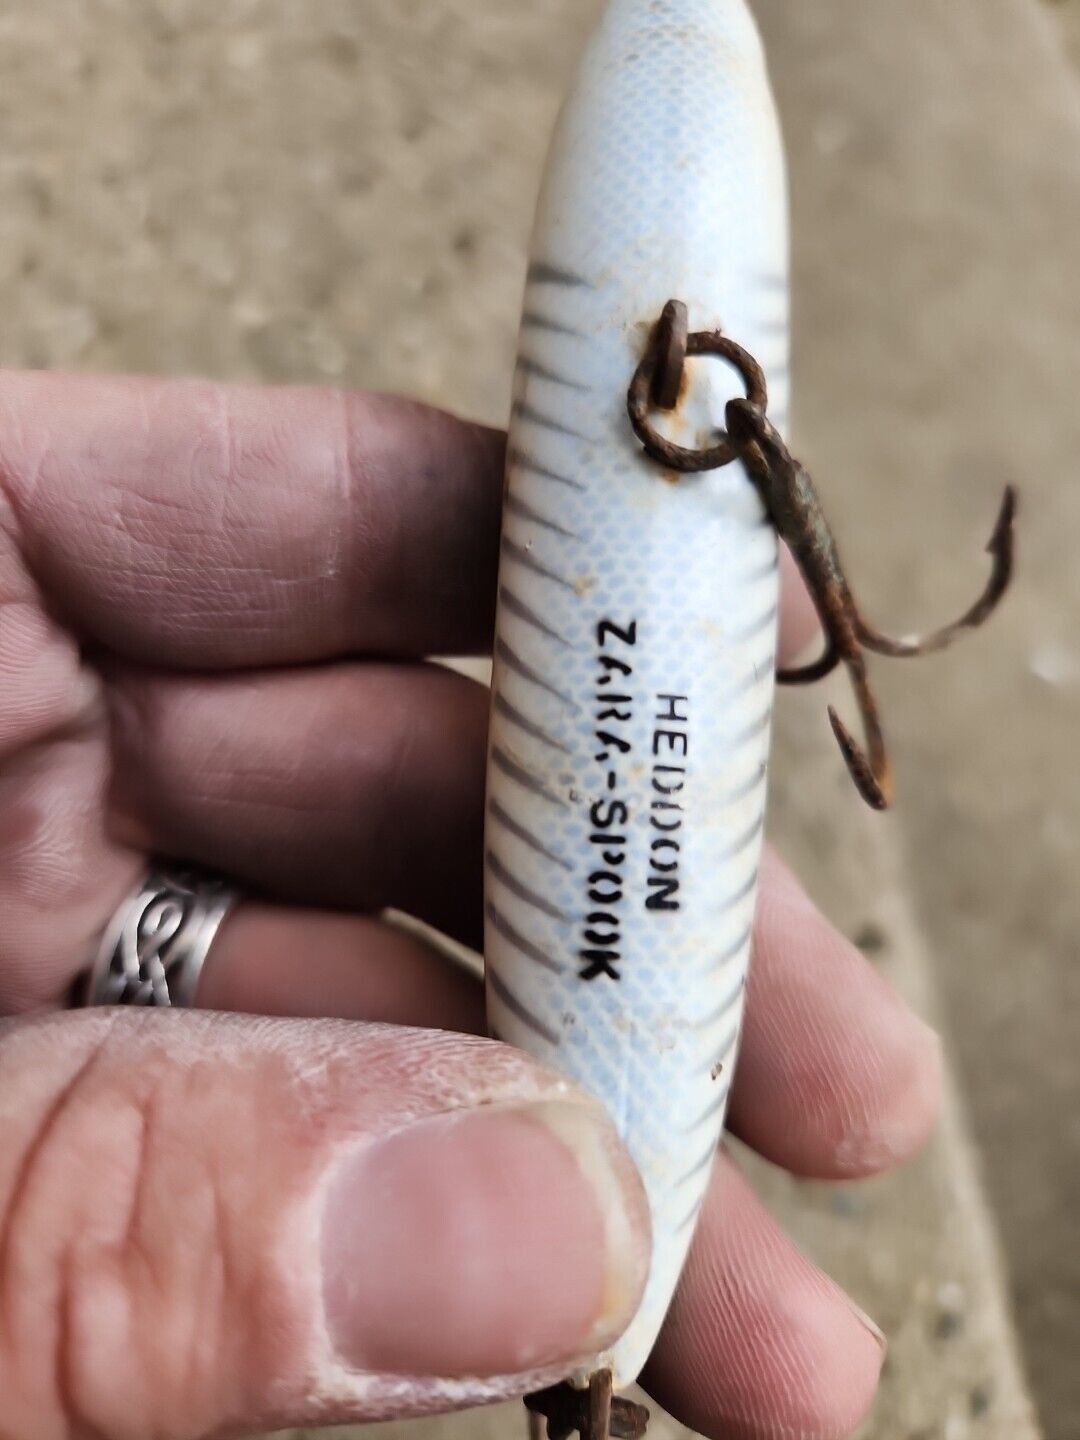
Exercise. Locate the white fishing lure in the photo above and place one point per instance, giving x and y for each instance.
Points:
(635, 649)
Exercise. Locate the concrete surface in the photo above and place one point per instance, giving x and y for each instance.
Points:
(937, 195)
(1066, 14)
(341, 191)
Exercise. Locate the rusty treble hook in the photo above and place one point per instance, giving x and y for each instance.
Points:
(796, 512)
(795, 509)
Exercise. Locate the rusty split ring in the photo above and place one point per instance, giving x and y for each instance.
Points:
(661, 355)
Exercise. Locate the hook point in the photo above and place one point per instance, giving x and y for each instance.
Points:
(876, 789)
(1001, 540)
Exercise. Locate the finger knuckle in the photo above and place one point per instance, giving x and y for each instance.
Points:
(116, 1275)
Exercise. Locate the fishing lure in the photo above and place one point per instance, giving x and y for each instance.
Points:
(637, 611)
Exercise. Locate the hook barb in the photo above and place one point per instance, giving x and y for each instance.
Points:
(874, 785)
(1002, 548)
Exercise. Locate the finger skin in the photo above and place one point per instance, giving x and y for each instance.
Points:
(205, 1221)
(191, 524)
(799, 625)
(60, 873)
(275, 960)
(759, 1343)
(837, 1078)
(358, 786)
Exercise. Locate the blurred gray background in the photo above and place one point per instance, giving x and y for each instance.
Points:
(341, 192)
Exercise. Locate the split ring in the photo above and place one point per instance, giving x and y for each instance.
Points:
(659, 378)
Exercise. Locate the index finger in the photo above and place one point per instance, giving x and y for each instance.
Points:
(215, 526)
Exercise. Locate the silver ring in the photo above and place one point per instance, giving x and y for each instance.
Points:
(156, 945)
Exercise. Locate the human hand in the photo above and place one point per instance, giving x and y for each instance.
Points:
(213, 608)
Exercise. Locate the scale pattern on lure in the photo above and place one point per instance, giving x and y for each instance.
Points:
(637, 618)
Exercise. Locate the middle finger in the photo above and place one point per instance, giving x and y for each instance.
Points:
(356, 786)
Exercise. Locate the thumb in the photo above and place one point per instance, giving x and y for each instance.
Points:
(210, 1224)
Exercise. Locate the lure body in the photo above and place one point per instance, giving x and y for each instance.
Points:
(635, 648)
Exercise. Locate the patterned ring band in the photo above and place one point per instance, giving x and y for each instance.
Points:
(156, 945)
